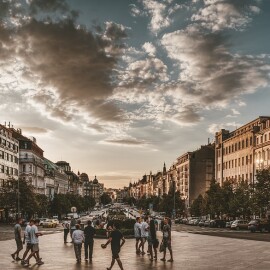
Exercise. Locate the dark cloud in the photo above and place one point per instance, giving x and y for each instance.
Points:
(73, 62)
(209, 72)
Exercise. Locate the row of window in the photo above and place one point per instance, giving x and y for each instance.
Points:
(245, 177)
(8, 157)
(262, 139)
(8, 170)
(9, 144)
(236, 162)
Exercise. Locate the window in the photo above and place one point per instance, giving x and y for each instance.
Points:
(246, 160)
(250, 141)
(243, 144)
(23, 168)
(243, 161)
(232, 163)
(246, 142)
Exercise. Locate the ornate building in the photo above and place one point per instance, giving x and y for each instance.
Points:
(236, 150)
(31, 161)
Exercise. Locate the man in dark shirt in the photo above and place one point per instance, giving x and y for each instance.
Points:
(18, 239)
(117, 240)
(89, 233)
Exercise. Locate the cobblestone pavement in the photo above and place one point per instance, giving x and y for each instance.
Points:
(191, 251)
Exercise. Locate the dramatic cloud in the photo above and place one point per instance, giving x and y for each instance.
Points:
(149, 48)
(126, 142)
(208, 73)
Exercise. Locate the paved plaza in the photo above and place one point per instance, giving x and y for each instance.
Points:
(191, 251)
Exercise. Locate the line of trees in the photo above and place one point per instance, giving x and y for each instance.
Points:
(24, 199)
(235, 199)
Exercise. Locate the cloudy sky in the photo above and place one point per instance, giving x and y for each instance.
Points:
(116, 88)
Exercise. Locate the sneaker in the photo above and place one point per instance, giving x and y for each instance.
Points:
(143, 253)
(170, 260)
(26, 263)
(18, 259)
(40, 263)
(22, 262)
(163, 259)
(13, 256)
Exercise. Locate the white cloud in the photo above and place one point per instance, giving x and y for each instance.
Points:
(149, 48)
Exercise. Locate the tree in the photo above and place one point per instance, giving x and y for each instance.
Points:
(19, 196)
(197, 208)
(105, 199)
(89, 202)
(262, 190)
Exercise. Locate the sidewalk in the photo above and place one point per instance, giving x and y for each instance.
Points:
(191, 251)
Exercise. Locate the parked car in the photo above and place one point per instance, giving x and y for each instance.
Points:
(201, 223)
(41, 220)
(207, 223)
(56, 221)
(217, 223)
(49, 223)
(259, 225)
(239, 225)
(229, 223)
(177, 221)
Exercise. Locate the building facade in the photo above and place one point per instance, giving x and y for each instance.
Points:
(31, 161)
(9, 156)
(235, 151)
(195, 171)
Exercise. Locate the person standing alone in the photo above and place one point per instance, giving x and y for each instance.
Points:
(167, 240)
(137, 234)
(89, 233)
(18, 239)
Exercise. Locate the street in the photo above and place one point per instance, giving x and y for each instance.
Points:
(191, 251)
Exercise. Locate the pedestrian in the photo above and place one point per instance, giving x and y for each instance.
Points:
(137, 234)
(167, 240)
(27, 241)
(144, 233)
(34, 240)
(78, 239)
(72, 227)
(89, 233)
(18, 239)
(117, 240)
(152, 240)
(65, 224)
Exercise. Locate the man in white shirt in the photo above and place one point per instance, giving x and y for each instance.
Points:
(27, 240)
(34, 234)
(137, 234)
(78, 239)
(144, 233)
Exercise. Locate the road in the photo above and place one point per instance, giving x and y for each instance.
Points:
(220, 232)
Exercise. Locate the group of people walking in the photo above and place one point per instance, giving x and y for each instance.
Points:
(146, 231)
(31, 239)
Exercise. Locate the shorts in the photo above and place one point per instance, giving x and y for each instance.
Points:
(166, 243)
(138, 239)
(29, 246)
(35, 247)
(144, 239)
(115, 253)
(19, 243)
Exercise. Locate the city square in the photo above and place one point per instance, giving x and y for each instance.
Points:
(191, 252)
